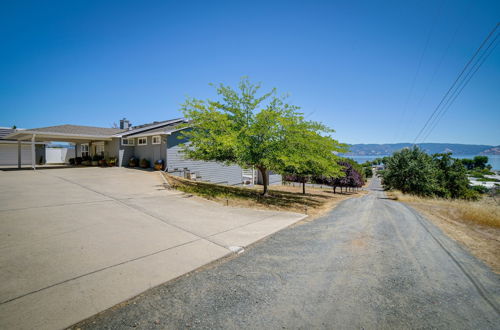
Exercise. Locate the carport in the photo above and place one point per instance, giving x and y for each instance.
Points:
(77, 135)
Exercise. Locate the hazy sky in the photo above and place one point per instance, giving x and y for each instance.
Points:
(349, 64)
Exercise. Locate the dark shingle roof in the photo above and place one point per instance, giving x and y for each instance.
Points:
(161, 130)
(160, 126)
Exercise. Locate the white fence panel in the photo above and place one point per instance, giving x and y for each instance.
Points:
(58, 155)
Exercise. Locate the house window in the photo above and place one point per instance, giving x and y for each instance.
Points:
(142, 141)
(156, 139)
(85, 150)
(127, 142)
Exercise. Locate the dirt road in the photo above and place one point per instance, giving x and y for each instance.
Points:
(370, 263)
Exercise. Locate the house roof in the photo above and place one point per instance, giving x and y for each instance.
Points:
(165, 129)
(149, 127)
(76, 129)
(78, 132)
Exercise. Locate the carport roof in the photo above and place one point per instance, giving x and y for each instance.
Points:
(68, 131)
(77, 129)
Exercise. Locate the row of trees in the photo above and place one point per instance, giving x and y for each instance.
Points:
(416, 172)
(260, 130)
(476, 163)
(352, 176)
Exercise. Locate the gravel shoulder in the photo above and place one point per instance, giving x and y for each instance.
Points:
(370, 263)
(481, 241)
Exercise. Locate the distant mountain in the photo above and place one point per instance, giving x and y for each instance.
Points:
(431, 148)
(491, 151)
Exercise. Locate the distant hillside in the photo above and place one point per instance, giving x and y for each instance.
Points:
(431, 148)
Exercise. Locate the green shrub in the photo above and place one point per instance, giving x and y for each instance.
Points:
(480, 189)
(415, 172)
(145, 163)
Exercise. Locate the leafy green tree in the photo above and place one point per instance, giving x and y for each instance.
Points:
(451, 177)
(415, 172)
(411, 171)
(309, 154)
(480, 162)
(368, 171)
(468, 163)
(261, 131)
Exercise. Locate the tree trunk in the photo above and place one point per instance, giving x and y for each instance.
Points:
(304, 188)
(265, 179)
(334, 188)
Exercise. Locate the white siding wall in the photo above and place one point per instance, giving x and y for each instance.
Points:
(8, 153)
(207, 171)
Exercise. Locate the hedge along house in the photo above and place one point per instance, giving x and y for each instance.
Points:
(154, 141)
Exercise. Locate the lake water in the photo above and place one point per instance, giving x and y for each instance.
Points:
(493, 160)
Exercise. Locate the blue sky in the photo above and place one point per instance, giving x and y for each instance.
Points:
(349, 64)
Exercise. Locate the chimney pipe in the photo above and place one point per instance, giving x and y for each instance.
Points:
(125, 123)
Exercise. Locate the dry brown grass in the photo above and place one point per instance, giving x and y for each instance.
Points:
(485, 212)
(474, 224)
(316, 201)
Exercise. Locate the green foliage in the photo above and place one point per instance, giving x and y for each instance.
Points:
(477, 163)
(488, 180)
(368, 171)
(263, 131)
(478, 173)
(411, 171)
(145, 163)
(480, 189)
(468, 163)
(451, 177)
(480, 162)
(414, 171)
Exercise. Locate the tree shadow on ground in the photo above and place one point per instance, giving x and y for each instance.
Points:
(283, 199)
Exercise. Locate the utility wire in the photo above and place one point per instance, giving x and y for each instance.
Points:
(465, 82)
(434, 113)
(422, 55)
(461, 86)
(482, 58)
(441, 60)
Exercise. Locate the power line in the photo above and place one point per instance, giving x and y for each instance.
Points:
(461, 86)
(469, 77)
(422, 55)
(441, 60)
(433, 116)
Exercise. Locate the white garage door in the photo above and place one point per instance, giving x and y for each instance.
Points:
(8, 154)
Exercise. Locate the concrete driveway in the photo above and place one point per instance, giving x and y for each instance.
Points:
(77, 241)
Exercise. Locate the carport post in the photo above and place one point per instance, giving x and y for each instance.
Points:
(18, 153)
(33, 155)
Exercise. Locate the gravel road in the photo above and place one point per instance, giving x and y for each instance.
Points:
(370, 263)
